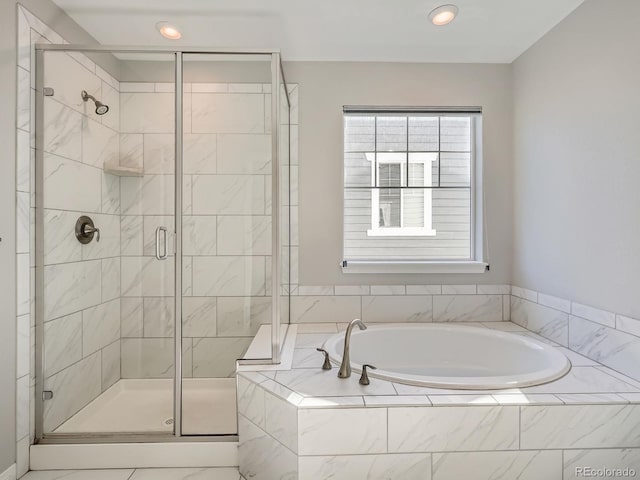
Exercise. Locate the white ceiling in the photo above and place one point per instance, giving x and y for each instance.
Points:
(486, 31)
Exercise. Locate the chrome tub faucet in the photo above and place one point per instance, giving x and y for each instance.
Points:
(345, 367)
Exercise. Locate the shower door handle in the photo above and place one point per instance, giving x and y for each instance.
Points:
(165, 250)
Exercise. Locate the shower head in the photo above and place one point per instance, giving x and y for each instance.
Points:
(101, 108)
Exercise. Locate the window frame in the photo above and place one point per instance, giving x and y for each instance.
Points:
(476, 262)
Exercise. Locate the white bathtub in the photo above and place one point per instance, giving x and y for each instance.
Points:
(451, 356)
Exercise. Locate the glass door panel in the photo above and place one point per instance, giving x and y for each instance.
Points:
(105, 259)
(227, 229)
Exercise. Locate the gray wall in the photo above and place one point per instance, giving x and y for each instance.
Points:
(325, 87)
(57, 19)
(577, 168)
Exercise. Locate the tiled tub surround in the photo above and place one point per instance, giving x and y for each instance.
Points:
(605, 337)
(306, 423)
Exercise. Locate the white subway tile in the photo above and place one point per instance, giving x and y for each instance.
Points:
(424, 289)
(594, 314)
(628, 325)
(459, 289)
(388, 290)
(547, 322)
(554, 302)
(352, 289)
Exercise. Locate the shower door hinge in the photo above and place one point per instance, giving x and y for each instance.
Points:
(47, 395)
(48, 91)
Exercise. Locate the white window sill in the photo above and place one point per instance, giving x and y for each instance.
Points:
(401, 232)
(360, 266)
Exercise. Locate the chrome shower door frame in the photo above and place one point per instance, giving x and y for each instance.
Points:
(277, 77)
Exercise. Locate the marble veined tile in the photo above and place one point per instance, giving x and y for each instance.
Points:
(251, 401)
(62, 130)
(146, 276)
(68, 78)
(71, 287)
(131, 317)
(144, 112)
(545, 321)
(342, 431)
(131, 150)
(74, 387)
(110, 474)
(62, 343)
(424, 429)
(99, 144)
(222, 113)
(109, 244)
(325, 383)
(228, 195)
(185, 474)
(147, 357)
(244, 154)
(110, 364)
(199, 236)
(261, 456)
(523, 465)
(60, 243)
(110, 278)
(228, 276)
(615, 349)
(199, 316)
(159, 153)
(580, 426)
(403, 309)
(583, 380)
(576, 461)
(148, 195)
(71, 185)
(216, 357)
(281, 421)
(199, 153)
(405, 466)
(467, 308)
(243, 234)
(242, 316)
(158, 316)
(100, 326)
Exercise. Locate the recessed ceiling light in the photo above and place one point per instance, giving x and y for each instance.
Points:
(167, 30)
(443, 15)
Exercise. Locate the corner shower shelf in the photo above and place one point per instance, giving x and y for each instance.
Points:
(123, 171)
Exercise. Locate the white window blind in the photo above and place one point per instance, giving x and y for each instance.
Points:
(409, 184)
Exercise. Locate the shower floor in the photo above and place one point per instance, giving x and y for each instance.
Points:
(146, 405)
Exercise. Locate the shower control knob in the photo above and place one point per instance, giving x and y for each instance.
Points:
(85, 230)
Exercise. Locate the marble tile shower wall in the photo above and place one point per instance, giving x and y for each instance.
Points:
(226, 225)
(82, 283)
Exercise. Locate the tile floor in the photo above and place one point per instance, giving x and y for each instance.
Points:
(138, 474)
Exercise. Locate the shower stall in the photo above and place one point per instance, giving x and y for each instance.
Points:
(162, 237)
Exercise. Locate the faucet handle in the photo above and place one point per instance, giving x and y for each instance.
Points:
(364, 378)
(327, 364)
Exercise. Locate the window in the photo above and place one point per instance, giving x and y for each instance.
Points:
(411, 186)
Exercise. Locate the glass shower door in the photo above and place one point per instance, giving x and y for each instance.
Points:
(105, 254)
(227, 229)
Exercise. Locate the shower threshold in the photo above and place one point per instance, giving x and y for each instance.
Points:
(146, 406)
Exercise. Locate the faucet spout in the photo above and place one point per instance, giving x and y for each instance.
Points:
(345, 367)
